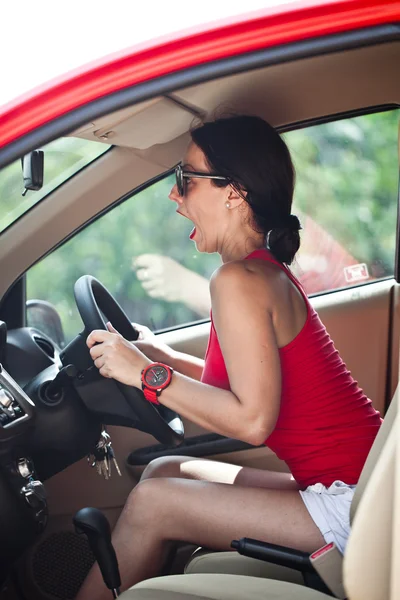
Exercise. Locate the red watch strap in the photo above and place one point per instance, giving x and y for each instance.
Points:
(150, 395)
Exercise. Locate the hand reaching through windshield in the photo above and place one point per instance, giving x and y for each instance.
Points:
(164, 278)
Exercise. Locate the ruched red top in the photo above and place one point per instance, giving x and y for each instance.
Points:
(326, 423)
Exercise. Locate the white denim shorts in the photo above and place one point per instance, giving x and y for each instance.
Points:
(330, 510)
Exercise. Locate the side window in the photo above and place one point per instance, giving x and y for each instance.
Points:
(62, 159)
(142, 253)
(346, 198)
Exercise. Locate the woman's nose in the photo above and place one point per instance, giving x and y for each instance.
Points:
(174, 195)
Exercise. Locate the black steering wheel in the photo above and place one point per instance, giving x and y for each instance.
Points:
(93, 301)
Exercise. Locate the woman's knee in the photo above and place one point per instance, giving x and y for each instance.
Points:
(164, 466)
(151, 506)
(143, 502)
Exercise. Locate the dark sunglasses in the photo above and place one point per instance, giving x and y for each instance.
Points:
(181, 175)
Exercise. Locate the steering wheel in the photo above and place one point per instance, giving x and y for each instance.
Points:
(93, 301)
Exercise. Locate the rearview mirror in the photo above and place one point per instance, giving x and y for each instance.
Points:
(32, 170)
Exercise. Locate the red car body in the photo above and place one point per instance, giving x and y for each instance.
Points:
(270, 27)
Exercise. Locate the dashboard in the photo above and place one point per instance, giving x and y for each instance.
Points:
(53, 403)
(44, 427)
(16, 408)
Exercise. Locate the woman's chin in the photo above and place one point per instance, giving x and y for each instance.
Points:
(200, 243)
(204, 248)
(196, 238)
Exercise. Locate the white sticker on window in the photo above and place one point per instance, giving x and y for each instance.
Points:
(356, 273)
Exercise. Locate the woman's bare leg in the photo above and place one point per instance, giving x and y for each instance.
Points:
(203, 469)
(163, 510)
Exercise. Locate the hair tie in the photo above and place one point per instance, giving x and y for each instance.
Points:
(267, 239)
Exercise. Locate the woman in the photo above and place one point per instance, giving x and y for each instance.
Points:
(271, 374)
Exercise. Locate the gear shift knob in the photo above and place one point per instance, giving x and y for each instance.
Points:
(93, 523)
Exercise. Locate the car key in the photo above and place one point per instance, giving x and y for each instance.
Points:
(103, 454)
(105, 467)
(100, 457)
(111, 455)
(105, 441)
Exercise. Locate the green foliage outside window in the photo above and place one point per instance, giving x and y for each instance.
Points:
(347, 181)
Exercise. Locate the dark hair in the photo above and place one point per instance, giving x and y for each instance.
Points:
(253, 156)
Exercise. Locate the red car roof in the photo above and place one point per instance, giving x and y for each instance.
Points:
(270, 27)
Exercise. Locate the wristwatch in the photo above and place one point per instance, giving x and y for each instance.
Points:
(155, 378)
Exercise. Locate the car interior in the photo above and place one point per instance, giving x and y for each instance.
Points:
(55, 404)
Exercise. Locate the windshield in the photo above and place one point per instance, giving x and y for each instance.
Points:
(62, 158)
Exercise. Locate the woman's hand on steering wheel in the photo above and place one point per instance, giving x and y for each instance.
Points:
(115, 357)
(144, 333)
(151, 346)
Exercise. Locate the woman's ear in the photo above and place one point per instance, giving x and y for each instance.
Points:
(236, 197)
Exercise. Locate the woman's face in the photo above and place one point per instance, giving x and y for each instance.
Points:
(203, 203)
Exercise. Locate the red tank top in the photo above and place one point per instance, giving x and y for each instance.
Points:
(326, 424)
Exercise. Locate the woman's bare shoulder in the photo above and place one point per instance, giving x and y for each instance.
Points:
(246, 270)
(247, 276)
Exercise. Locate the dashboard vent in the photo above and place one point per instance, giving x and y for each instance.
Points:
(45, 345)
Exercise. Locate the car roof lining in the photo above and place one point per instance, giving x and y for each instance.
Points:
(279, 93)
(150, 137)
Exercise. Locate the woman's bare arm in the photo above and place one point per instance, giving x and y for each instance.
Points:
(247, 339)
(188, 365)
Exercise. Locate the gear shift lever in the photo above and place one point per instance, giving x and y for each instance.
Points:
(96, 527)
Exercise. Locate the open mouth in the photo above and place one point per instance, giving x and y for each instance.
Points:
(193, 232)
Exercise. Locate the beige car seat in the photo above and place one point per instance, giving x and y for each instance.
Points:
(372, 558)
(207, 561)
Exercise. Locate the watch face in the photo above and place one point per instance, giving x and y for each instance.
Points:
(156, 376)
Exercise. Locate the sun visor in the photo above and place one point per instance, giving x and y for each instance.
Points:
(158, 123)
